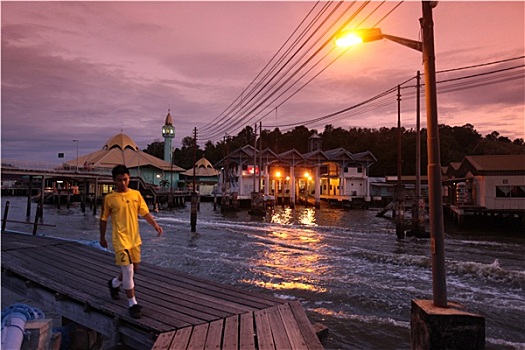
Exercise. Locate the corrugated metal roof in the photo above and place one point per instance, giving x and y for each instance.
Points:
(514, 162)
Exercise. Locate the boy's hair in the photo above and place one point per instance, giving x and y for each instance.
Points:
(119, 170)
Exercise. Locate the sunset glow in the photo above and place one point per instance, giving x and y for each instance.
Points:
(88, 70)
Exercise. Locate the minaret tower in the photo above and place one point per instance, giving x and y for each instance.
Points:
(168, 132)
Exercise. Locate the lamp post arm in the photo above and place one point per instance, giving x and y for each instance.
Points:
(413, 44)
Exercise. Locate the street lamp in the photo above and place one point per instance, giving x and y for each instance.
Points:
(76, 141)
(434, 168)
(277, 185)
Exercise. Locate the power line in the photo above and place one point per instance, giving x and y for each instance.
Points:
(481, 65)
(257, 96)
(252, 113)
(498, 76)
(240, 97)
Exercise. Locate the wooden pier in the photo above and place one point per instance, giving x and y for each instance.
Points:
(179, 311)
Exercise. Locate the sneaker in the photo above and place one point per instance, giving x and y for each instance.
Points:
(135, 311)
(113, 291)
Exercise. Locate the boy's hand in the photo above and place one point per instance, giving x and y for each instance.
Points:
(159, 230)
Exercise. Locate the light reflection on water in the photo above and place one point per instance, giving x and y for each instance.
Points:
(293, 254)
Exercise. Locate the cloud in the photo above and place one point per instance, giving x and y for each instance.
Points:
(87, 70)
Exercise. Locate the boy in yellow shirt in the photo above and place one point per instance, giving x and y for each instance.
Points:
(124, 205)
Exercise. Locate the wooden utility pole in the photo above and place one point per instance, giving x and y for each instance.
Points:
(400, 193)
(418, 207)
(194, 197)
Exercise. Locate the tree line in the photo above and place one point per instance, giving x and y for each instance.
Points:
(455, 143)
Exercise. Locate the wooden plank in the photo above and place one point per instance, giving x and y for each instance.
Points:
(291, 327)
(37, 270)
(236, 297)
(214, 337)
(280, 337)
(192, 306)
(163, 341)
(230, 340)
(185, 296)
(198, 337)
(65, 307)
(246, 332)
(305, 326)
(181, 339)
(264, 332)
(267, 300)
(166, 312)
(229, 295)
(11, 240)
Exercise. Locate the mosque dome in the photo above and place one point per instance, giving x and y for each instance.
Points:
(121, 141)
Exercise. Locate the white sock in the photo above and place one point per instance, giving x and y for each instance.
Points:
(115, 282)
(132, 301)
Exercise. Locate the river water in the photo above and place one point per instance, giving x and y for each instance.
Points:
(346, 267)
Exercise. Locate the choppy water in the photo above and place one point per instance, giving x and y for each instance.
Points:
(346, 267)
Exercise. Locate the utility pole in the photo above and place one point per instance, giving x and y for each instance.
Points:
(260, 154)
(254, 157)
(437, 245)
(418, 207)
(194, 197)
(400, 193)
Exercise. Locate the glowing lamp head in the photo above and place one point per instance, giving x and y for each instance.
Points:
(358, 36)
(349, 39)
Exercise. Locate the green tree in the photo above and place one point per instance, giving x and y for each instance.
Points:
(272, 140)
(156, 149)
(186, 156)
(296, 138)
(214, 153)
(455, 143)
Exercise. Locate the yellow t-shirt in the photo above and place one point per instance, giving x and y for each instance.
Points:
(124, 208)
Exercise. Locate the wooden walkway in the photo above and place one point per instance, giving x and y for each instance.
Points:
(179, 311)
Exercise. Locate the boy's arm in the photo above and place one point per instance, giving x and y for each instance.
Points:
(103, 226)
(149, 218)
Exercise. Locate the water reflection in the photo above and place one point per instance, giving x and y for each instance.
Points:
(283, 217)
(287, 216)
(307, 217)
(292, 260)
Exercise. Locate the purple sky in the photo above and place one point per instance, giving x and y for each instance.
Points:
(89, 70)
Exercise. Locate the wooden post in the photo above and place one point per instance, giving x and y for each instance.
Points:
(193, 211)
(29, 191)
(68, 194)
(6, 210)
(95, 199)
(41, 199)
(35, 224)
(84, 196)
(194, 197)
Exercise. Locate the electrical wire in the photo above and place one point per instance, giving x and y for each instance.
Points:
(254, 108)
(259, 95)
(460, 83)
